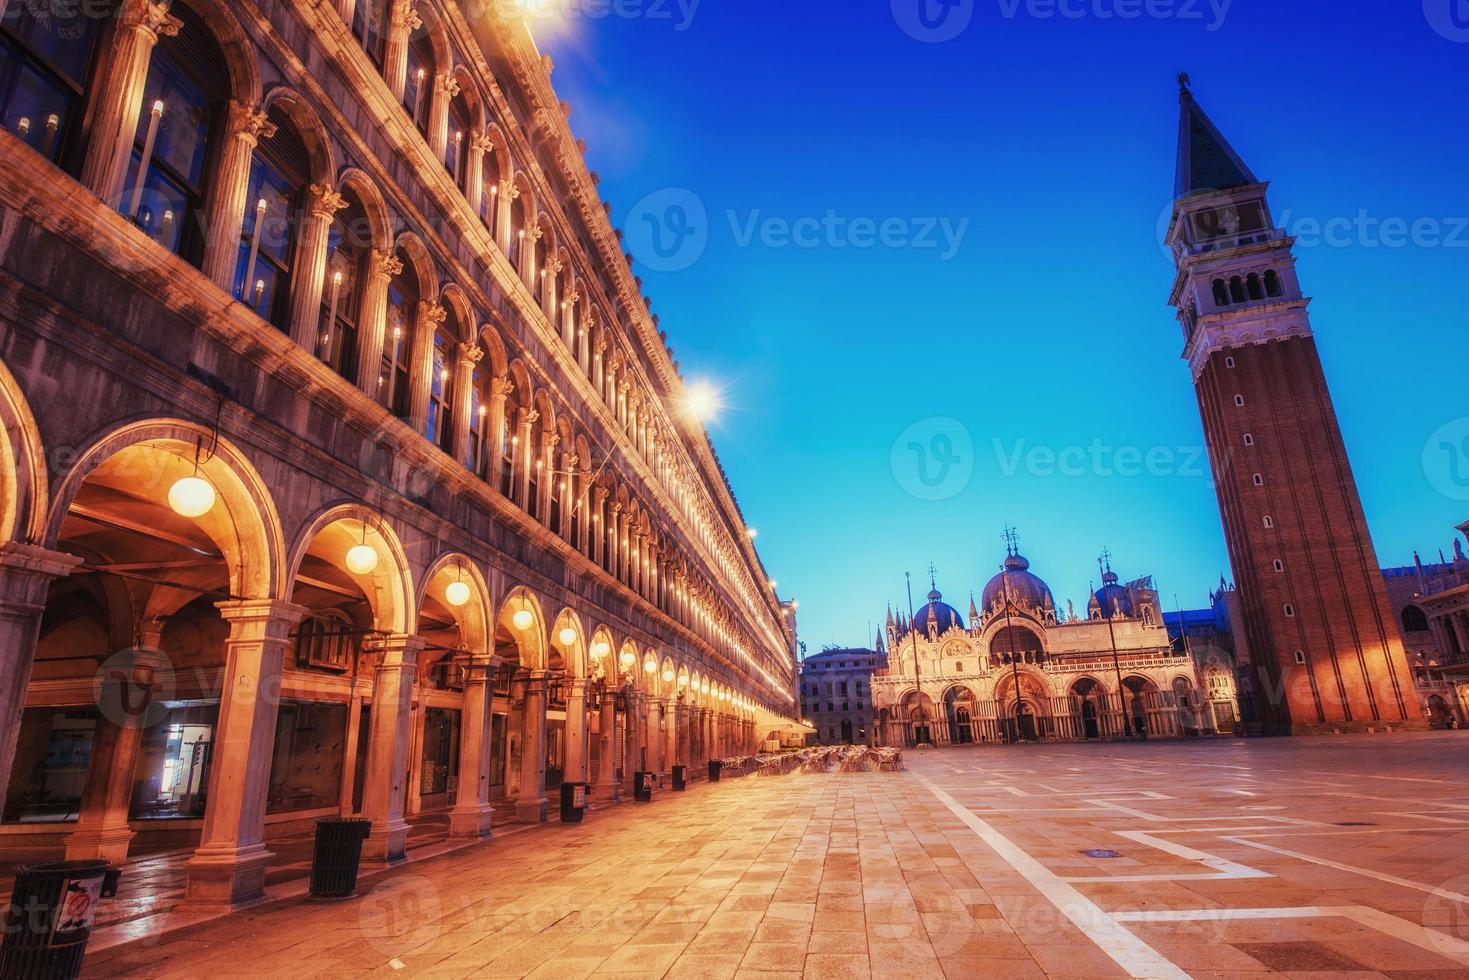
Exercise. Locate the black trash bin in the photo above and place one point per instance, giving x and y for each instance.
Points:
(680, 778)
(642, 786)
(52, 908)
(338, 856)
(714, 766)
(573, 802)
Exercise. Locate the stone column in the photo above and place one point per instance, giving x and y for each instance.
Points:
(655, 735)
(614, 539)
(607, 785)
(26, 573)
(403, 20)
(577, 757)
(124, 695)
(472, 813)
(308, 323)
(372, 321)
(386, 780)
(546, 460)
(570, 478)
(531, 804)
(348, 791)
(505, 217)
(446, 87)
(120, 96)
(635, 727)
(229, 866)
(500, 389)
(469, 356)
(225, 210)
(671, 721)
(474, 178)
(431, 316)
(529, 274)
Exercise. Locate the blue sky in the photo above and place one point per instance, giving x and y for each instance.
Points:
(889, 243)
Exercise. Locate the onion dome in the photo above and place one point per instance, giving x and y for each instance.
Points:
(1111, 600)
(939, 612)
(1025, 589)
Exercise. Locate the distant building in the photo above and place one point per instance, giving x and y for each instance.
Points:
(836, 694)
(1431, 603)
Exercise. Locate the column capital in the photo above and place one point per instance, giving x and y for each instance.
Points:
(480, 142)
(384, 265)
(26, 572)
(248, 122)
(500, 388)
(446, 83)
(398, 650)
(478, 668)
(433, 313)
(324, 201)
(150, 17)
(268, 611)
(470, 354)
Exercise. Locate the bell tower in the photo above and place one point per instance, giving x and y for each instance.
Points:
(1323, 642)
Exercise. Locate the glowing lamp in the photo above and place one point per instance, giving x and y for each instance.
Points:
(650, 666)
(522, 619)
(600, 649)
(683, 680)
(193, 496)
(704, 687)
(627, 658)
(567, 636)
(668, 675)
(361, 559)
(457, 594)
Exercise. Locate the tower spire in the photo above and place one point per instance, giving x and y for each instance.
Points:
(1206, 161)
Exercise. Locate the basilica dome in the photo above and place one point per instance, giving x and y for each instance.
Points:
(1026, 590)
(1111, 599)
(943, 614)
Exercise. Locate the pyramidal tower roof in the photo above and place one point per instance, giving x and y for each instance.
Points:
(1206, 161)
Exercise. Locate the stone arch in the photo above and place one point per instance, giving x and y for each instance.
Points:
(602, 652)
(388, 587)
(473, 617)
(528, 636)
(437, 34)
(412, 246)
(379, 218)
(568, 636)
(454, 297)
(629, 661)
(494, 348)
(308, 127)
(149, 456)
(470, 91)
(23, 483)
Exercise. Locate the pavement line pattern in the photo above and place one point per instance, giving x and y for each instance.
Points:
(1224, 869)
(1390, 879)
(1127, 950)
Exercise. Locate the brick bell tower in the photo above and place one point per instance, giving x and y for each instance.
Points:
(1324, 649)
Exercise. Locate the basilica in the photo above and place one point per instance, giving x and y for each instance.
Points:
(1020, 669)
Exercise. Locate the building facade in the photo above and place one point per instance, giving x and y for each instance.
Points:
(1022, 669)
(1431, 602)
(836, 695)
(1326, 649)
(344, 469)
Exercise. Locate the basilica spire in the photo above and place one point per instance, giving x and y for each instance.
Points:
(1206, 161)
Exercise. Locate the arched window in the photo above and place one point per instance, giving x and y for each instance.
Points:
(403, 297)
(370, 19)
(540, 278)
(1272, 283)
(183, 104)
(441, 386)
(537, 464)
(456, 150)
(1249, 439)
(479, 420)
(46, 64)
(1221, 293)
(418, 92)
(1254, 287)
(489, 198)
(1236, 289)
(519, 223)
(348, 244)
(1415, 620)
(279, 172)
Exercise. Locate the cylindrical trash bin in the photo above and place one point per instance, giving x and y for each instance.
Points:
(680, 778)
(52, 909)
(573, 802)
(714, 766)
(338, 856)
(642, 786)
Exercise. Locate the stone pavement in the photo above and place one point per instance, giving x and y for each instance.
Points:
(1310, 858)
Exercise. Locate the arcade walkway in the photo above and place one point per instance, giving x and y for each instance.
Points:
(1321, 857)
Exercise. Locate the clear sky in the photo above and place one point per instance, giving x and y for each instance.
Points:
(931, 268)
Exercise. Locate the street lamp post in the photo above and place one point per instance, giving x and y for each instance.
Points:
(917, 674)
(1103, 563)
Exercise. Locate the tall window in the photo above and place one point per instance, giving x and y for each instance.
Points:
(519, 222)
(490, 197)
(456, 150)
(183, 102)
(370, 27)
(418, 93)
(347, 248)
(479, 421)
(441, 388)
(279, 172)
(403, 295)
(45, 67)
